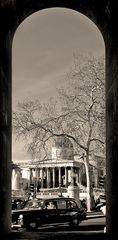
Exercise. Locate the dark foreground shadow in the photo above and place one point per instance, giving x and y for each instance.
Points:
(57, 236)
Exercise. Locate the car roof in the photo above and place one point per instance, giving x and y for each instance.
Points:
(56, 198)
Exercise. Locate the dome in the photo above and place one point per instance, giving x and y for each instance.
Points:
(62, 142)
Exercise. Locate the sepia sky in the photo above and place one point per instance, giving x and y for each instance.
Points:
(42, 54)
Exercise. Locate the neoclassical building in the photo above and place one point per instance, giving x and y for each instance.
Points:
(49, 175)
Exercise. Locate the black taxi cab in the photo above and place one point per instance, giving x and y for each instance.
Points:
(38, 212)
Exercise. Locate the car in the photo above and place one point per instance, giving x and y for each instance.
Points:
(41, 212)
(103, 209)
(17, 203)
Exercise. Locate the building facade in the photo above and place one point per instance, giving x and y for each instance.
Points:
(56, 174)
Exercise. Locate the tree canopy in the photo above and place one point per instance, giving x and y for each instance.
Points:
(78, 113)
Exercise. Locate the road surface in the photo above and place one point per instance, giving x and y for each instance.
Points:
(95, 223)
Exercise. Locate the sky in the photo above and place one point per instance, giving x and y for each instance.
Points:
(43, 53)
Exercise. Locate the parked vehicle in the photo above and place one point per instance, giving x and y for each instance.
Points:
(17, 204)
(99, 206)
(38, 212)
(103, 209)
(100, 202)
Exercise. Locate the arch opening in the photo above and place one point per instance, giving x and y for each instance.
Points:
(47, 55)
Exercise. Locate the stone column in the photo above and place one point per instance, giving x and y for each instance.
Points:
(37, 174)
(34, 174)
(78, 169)
(41, 176)
(48, 177)
(16, 179)
(5, 122)
(66, 177)
(53, 177)
(60, 176)
(73, 191)
(36, 169)
(72, 176)
(112, 134)
(31, 175)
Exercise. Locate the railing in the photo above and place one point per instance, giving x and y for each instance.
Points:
(56, 191)
(51, 191)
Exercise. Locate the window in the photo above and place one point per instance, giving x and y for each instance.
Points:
(50, 205)
(71, 204)
(33, 204)
(61, 204)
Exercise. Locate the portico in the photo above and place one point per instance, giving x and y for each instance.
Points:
(50, 174)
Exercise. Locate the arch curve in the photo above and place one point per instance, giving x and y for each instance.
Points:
(24, 9)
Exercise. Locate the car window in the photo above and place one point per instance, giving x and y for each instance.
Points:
(50, 205)
(61, 204)
(71, 204)
(33, 204)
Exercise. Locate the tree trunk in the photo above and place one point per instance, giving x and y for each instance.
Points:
(89, 184)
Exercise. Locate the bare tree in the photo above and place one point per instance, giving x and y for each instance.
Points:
(79, 115)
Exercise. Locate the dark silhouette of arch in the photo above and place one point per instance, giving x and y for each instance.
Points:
(105, 15)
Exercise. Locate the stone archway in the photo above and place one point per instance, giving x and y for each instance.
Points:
(104, 16)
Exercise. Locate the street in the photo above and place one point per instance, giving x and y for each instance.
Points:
(92, 224)
(96, 224)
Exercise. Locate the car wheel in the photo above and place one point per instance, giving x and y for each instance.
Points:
(32, 226)
(74, 222)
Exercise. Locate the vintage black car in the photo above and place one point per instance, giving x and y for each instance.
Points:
(38, 212)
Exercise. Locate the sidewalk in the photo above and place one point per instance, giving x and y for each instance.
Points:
(91, 215)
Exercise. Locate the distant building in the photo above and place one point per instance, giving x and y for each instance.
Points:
(56, 173)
